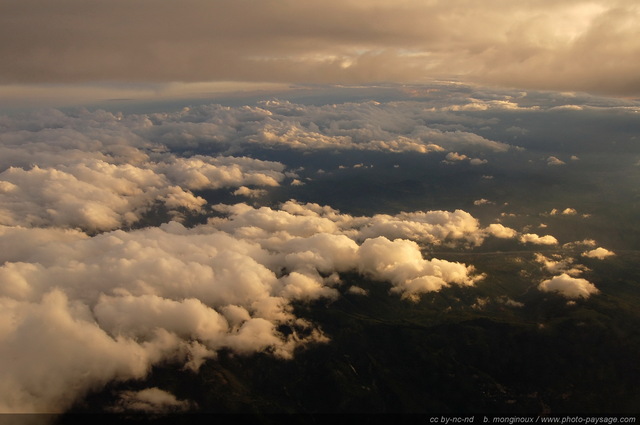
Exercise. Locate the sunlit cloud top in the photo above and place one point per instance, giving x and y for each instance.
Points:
(569, 45)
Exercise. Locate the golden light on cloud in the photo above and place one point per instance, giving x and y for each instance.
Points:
(17, 95)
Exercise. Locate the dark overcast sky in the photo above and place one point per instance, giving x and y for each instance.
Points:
(571, 45)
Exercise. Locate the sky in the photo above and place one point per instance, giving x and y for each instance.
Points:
(74, 50)
(176, 175)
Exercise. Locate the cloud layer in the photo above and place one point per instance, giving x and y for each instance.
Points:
(100, 171)
(109, 302)
(93, 171)
(110, 306)
(371, 126)
(576, 45)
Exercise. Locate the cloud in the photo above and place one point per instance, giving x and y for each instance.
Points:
(249, 193)
(474, 104)
(455, 156)
(357, 290)
(96, 195)
(552, 160)
(156, 295)
(278, 225)
(304, 220)
(177, 294)
(580, 244)
(538, 240)
(146, 140)
(500, 231)
(136, 317)
(368, 126)
(435, 227)
(200, 172)
(93, 196)
(459, 139)
(91, 170)
(79, 355)
(482, 302)
(400, 262)
(564, 265)
(517, 131)
(150, 400)
(477, 161)
(323, 252)
(569, 287)
(566, 211)
(599, 253)
(300, 286)
(50, 137)
(511, 303)
(588, 41)
(110, 303)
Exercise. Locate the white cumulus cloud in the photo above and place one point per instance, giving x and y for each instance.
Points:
(500, 231)
(401, 262)
(599, 253)
(538, 240)
(570, 287)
